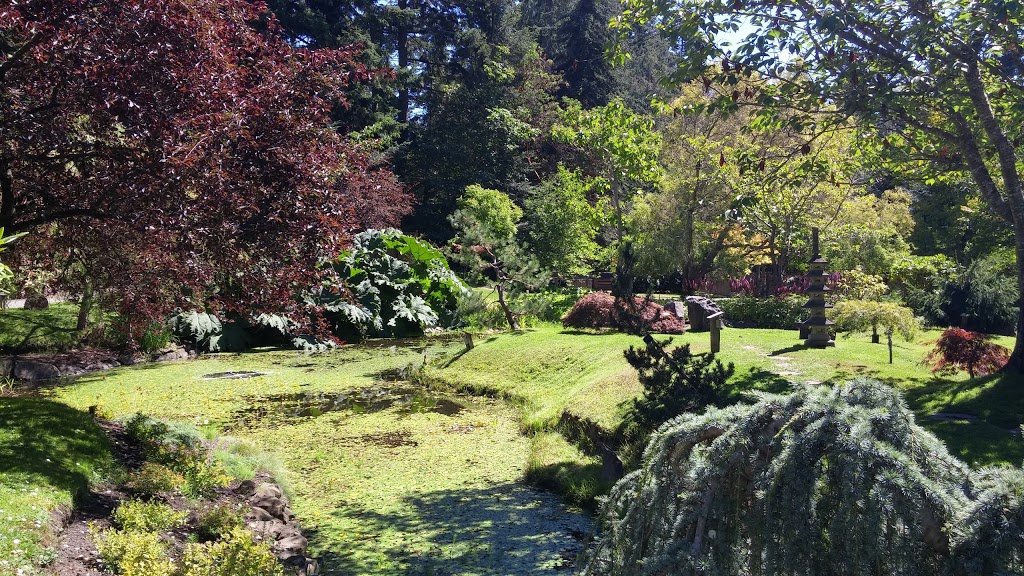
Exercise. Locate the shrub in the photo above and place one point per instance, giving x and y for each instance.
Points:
(202, 475)
(180, 448)
(985, 296)
(153, 434)
(217, 521)
(674, 382)
(152, 479)
(236, 555)
(772, 312)
(209, 333)
(140, 516)
(242, 459)
(401, 286)
(601, 310)
(130, 553)
(958, 349)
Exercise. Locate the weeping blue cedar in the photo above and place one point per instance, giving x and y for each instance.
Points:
(828, 480)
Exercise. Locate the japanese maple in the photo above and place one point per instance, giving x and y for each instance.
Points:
(182, 147)
(959, 349)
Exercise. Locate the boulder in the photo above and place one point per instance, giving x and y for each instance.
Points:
(698, 308)
(275, 506)
(246, 488)
(36, 303)
(33, 370)
(170, 353)
(290, 546)
(258, 515)
(267, 490)
(676, 307)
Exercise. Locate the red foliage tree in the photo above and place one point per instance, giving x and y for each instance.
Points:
(959, 349)
(183, 147)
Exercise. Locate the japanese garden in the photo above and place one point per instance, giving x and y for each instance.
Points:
(511, 287)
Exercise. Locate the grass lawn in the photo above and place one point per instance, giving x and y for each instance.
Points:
(49, 454)
(550, 370)
(31, 330)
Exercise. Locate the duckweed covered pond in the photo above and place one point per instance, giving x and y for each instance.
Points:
(387, 478)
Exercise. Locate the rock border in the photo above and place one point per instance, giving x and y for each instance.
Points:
(41, 367)
(271, 520)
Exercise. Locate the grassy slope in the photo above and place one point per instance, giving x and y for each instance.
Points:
(379, 492)
(549, 370)
(49, 454)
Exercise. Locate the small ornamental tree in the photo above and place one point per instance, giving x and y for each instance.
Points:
(958, 349)
(864, 315)
(486, 224)
(675, 381)
(827, 480)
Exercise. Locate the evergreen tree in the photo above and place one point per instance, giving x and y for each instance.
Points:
(828, 480)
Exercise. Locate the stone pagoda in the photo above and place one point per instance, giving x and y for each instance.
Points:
(817, 327)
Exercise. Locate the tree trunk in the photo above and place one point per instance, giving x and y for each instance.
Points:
(403, 63)
(513, 322)
(85, 307)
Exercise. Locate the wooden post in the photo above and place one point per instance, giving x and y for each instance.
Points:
(715, 322)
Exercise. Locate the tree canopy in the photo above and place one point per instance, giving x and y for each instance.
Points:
(935, 89)
(188, 135)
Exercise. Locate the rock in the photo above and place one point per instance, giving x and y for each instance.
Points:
(246, 488)
(6, 364)
(268, 490)
(290, 546)
(275, 506)
(270, 530)
(698, 308)
(258, 515)
(170, 353)
(36, 303)
(126, 360)
(677, 308)
(32, 370)
(302, 565)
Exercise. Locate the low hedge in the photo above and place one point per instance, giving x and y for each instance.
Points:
(770, 312)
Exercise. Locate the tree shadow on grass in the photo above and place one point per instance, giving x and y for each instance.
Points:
(761, 379)
(997, 403)
(49, 441)
(502, 529)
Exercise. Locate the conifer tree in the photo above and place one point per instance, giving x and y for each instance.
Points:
(828, 480)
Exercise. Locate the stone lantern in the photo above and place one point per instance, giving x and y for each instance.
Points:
(817, 326)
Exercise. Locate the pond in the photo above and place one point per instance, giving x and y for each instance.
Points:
(386, 478)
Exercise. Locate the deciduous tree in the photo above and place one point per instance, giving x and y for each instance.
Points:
(189, 136)
(936, 88)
